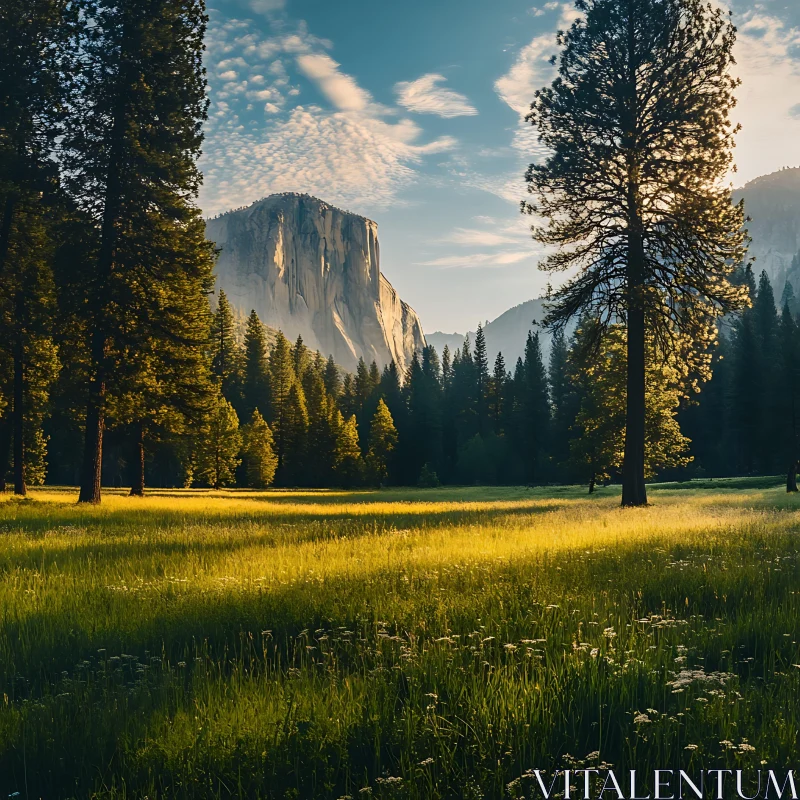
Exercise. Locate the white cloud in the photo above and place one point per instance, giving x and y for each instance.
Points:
(767, 63)
(346, 158)
(473, 260)
(474, 237)
(356, 153)
(496, 233)
(340, 89)
(267, 6)
(425, 96)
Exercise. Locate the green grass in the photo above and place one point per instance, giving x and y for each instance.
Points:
(403, 644)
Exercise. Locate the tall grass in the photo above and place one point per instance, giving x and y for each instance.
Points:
(415, 644)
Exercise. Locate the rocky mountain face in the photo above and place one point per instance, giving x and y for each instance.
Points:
(313, 270)
(773, 204)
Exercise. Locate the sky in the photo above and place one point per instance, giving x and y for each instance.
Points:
(410, 112)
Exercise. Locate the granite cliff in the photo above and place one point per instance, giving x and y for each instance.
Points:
(313, 270)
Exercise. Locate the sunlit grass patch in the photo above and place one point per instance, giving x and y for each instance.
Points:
(315, 644)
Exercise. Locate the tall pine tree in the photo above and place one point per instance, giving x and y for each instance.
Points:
(130, 156)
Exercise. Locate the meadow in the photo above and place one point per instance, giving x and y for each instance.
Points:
(394, 644)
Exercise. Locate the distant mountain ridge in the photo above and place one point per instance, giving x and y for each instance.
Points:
(771, 201)
(508, 333)
(773, 204)
(310, 269)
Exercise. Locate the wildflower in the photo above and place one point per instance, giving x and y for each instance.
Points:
(690, 747)
(641, 719)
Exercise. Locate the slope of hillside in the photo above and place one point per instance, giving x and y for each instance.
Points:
(506, 334)
(773, 204)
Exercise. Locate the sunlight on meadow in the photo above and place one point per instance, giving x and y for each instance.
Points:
(402, 643)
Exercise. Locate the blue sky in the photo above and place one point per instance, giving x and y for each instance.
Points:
(410, 112)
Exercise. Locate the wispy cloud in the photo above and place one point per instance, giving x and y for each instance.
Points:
(426, 96)
(473, 260)
(530, 71)
(267, 6)
(474, 237)
(767, 62)
(342, 90)
(258, 141)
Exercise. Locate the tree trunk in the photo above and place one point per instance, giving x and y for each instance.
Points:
(634, 492)
(591, 484)
(19, 407)
(91, 473)
(791, 478)
(5, 448)
(5, 230)
(137, 490)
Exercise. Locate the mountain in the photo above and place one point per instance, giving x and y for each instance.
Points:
(773, 204)
(507, 333)
(313, 270)
(771, 201)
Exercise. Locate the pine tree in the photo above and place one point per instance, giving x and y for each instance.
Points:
(300, 357)
(38, 42)
(788, 297)
(259, 456)
(482, 379)
(27, 305)
(465, 394)
(788, 395)
(560, 391)
(348, 402)
(281, 379)
(318, 468)
(638, 181)
(746, 395)
(348, 466)
(598, 447)
(255, 383)
(497, 394)
(294, 432)
(220, 444)
(447, 368)
(333, 383)
(534, 411)
(226, 357)
(770, 427)
(130, 158)
(382, 442)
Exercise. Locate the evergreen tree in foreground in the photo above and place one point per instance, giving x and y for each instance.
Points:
(130, 158)
(638, 129)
